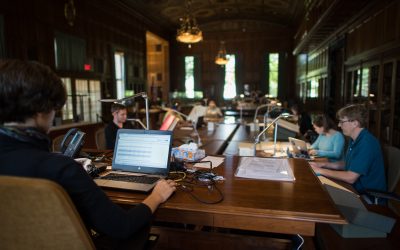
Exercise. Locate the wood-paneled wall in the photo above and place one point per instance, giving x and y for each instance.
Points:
(106, 26)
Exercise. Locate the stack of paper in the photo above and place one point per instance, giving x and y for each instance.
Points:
(265, 169)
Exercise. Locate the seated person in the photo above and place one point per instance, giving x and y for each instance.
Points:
(213, 112)
(119, 113)
(31, 94)
(363, 166)
(306, 130)
(330, 142)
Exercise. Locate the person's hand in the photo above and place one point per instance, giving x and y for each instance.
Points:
(312, 152)
(316, 164)
(85, 162)
(163, 190)
(316, 167)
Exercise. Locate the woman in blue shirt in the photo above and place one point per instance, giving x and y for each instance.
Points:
(330, 142)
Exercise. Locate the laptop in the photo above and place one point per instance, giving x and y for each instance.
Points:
(299, 148)
(169, 123)
(138, 154)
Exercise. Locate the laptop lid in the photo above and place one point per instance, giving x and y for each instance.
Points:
(299, 147)
(142, 151)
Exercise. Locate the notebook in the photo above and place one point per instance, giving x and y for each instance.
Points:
(299, 148)
(138, 153)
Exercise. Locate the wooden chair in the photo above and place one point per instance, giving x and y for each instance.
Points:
(100, 139)
(392, 161)
(39, 214)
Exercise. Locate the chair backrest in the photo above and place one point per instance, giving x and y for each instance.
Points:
(392, 157)
(100, 139)
(39, 214)
(56, 143)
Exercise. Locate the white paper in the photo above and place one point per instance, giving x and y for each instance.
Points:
(265, 169)
(215, 161)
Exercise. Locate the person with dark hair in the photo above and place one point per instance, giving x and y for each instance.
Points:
(30, 94)
(306, 129)
(119, 113)
(330, 142)
(363, 166)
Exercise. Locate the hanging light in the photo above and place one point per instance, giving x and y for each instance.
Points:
(221, 58)
(189, 32)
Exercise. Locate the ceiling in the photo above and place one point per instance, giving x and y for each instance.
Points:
(312, 22)
(214, 15)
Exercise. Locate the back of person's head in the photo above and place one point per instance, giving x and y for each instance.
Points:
(117, 107)
(28, 88)
(297, 108)
(354, 112)
(324, 121)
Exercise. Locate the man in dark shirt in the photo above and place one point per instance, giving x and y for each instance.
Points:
(30, 94)
(119, 113)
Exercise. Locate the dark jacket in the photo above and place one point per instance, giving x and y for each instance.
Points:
(28, 156)
(110, 132)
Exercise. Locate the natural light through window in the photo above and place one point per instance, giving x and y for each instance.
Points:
(273, 62)
(314, 85)
(189, 76)
(67, 110)
(230, 78)
(364, 82)
(120, 74)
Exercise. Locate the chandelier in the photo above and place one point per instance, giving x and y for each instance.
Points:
(189, 32)
(221, 58)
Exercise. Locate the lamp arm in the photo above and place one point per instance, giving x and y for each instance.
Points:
(176, 111)
(266, 128)
(257, 139)
(138, 121)
(194, 124)
(146, 99)
(143, 94)
(258, 108)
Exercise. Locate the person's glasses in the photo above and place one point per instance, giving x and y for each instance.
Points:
(344, 121)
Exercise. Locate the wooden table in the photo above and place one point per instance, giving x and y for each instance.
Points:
(266, 206)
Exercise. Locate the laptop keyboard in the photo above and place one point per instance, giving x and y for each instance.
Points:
(131, 178)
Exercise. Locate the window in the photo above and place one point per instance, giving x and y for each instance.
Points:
(314, 86)
(67, 110)
(189, 76)
(230, 78)
(364, 82)
(273, 74)
(83, 103)
(357, 83)
(120, 74)
(94, 97)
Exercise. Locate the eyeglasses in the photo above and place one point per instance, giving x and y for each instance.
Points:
(344, 121)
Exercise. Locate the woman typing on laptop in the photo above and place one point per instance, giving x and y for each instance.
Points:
(30, 94)
(330, 142)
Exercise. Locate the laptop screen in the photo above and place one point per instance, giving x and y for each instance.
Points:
(142, 151)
